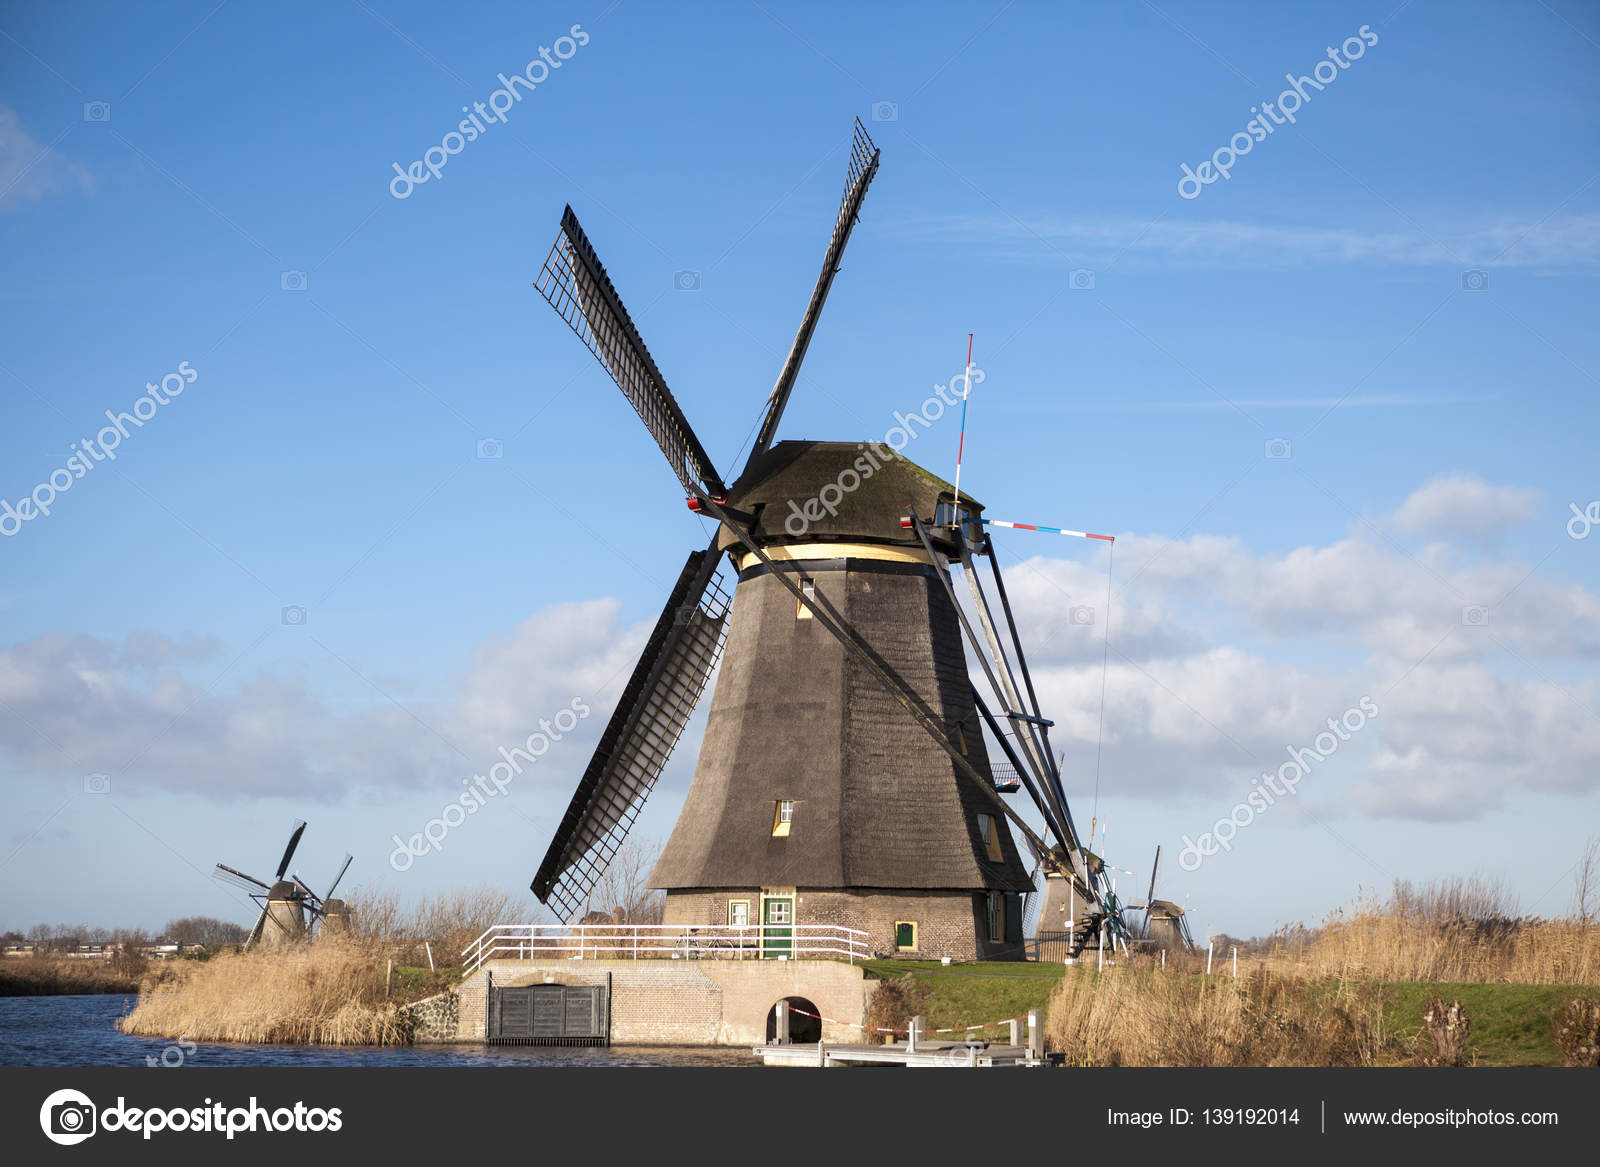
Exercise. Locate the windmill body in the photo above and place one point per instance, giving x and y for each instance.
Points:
(283, 920)
(844, 777)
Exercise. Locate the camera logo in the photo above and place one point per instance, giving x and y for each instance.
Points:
(97, 784)
(1475, 280)
(67, 1117)
(686, 280)
(1080, 614)
(1475, 616)
(294, 615)
(1279, 448)
(886, 111)
(881, 783)
(490, 448)
(292, 281)
(1081, 279)
(97, 111)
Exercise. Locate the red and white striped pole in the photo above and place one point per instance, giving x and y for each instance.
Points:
(961, 442)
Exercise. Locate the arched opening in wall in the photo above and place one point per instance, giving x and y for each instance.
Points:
(804, 1029)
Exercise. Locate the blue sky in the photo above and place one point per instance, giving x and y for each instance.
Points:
(210, 184)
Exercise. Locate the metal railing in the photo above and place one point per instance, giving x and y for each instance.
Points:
(666, 942)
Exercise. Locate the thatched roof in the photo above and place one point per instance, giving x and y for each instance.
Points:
(797, 471)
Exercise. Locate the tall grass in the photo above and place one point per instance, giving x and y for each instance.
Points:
(337, 990)
(40, 976)
(332, 992)
(1143, 1016)
(1455, 931)
(1315, 996)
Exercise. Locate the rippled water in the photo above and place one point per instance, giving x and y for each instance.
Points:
(81, 1031)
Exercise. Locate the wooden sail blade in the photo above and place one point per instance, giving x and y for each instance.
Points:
(638, 741)
(863, 166)
(576, 284)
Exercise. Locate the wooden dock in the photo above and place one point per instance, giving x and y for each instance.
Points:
(947, 1055)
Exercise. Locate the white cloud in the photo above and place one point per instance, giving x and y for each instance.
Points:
(1201, 693)
(1462, 504)
(1563, 242)
(77, 705)
(30, 170)
(1460, 741)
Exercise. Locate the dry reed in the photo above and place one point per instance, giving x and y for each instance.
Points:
(1142, 1016)
(1453, 932)
(328, 993)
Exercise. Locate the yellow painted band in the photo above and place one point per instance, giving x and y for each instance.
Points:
(795, 551)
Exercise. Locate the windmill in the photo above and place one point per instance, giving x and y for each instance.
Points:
(289, 908)
(844, 775)
(1165, 923)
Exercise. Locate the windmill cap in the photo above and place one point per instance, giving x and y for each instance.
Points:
(839, 490)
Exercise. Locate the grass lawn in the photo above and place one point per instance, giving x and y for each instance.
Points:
(1510, 1023)
(966, 994)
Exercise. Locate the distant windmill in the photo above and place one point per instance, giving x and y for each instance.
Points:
(289, 908)
(1165, 923)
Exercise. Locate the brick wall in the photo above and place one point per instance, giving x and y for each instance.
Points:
(949, 923)
(680, 1002)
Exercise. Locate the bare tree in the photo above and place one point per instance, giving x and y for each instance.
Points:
(1586, 882)
(206, 930)
(623, 892)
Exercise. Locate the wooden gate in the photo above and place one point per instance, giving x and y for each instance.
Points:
(550, 1015)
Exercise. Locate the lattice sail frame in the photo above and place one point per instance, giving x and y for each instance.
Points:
(576, 284)
(651, 715)
(863, 167)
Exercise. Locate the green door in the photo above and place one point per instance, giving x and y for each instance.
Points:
(777, 927)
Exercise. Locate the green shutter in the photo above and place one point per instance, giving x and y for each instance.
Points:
(904, 936)
(1013, 917)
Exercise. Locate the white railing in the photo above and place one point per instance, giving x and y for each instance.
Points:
(666, 942)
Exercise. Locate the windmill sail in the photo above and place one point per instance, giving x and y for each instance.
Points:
(578, 288)
(863, 166)
(649, 719)
(288, 852)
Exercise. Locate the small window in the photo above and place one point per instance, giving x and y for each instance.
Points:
(782, 817)
(961, 740)
(991, 837)
(905, 936)
(738, 913)
(808, 588)
(997, 916)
